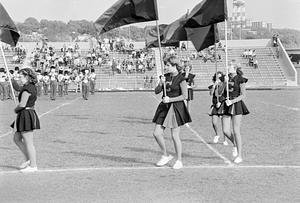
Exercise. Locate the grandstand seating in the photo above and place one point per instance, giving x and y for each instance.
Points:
(268, 74)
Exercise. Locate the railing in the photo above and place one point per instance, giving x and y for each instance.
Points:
(289, 69)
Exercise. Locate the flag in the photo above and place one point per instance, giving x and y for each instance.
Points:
(151, 37)
(206, 13)
(203, 37)
(125, 12)
(176, 31)
(8, 30)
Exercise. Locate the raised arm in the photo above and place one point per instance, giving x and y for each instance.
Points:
(15, 85)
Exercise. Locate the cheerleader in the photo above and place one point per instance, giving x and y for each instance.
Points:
(53, 83)
(92, 78)
(234, 109)
(26, 120)
(171, 112)
(216, 91)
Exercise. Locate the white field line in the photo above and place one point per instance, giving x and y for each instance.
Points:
(227, 161)
(282, 106)
(62, 170)
(43, 114)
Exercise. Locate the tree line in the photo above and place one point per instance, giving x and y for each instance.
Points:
(32, 30)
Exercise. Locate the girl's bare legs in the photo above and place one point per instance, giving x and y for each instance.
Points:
(28, 138)
(177, 142)
(18, 139)
(226, 123)
(214, 121)
(158, 135)
(236, 121)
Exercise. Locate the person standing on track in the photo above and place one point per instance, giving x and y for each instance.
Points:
(27, 119)
(171, 112)
(234, 109)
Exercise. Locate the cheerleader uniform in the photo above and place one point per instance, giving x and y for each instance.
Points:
(173, 114)
(27, 119)
(238, 108)
(215, 111)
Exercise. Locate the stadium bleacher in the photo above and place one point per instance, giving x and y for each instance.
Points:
(269, 73)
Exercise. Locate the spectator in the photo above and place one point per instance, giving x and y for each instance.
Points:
(255, 64)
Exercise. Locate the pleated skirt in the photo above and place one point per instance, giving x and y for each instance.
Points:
(26, 120)
(172, 115)
(238, 108)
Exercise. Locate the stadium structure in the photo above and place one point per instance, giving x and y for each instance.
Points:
(275, 67)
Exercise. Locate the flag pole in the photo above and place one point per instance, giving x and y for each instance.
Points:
(160, 55)
(216, 65)
(226, 61)
(8, 74)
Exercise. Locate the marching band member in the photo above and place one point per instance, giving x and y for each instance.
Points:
(39, 84)
(67, 81)
(60, 79)
(53, 83)
(85, 84)
(92, 81)
(46, 83)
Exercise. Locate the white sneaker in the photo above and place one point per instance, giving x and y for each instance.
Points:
(216, 139)
(178, 165)
(234, 152)
(29, 169)
(225, 143)
(24, 164)
(238, 160)
(164, 160)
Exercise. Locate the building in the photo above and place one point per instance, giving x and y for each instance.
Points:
(260, 25)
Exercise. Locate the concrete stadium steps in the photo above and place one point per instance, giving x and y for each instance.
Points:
(268, 73)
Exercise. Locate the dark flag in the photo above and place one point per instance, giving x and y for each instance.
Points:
(206, 13)
(125, 12)
(203, 37)
(151, 37)
(8, 30)
(176, 31)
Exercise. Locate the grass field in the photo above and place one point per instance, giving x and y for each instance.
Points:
(102, 150)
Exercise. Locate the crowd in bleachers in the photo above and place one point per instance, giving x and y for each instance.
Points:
(250, 54)
(18, 53)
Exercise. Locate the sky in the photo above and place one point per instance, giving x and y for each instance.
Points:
(282, 13)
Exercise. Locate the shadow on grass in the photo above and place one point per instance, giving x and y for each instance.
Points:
(10, 167)
(167, 137)
(137, 149)
(92, 132)
(74, 116)
(109, 157)
(136, 120)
